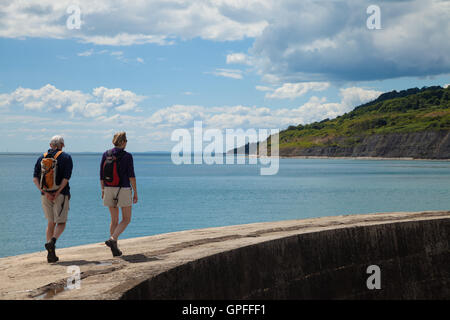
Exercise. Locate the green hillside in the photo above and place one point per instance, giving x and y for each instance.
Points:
(408, 111)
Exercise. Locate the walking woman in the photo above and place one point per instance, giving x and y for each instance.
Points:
(117, 180)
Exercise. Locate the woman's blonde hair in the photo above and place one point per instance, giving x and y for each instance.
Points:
(119, 138)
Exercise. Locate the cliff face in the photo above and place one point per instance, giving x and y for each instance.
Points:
(419, 145)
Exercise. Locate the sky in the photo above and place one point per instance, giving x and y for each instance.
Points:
(87, 69)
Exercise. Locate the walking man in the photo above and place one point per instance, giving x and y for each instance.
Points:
(52, 172)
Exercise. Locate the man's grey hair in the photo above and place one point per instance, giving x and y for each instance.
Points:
(57, 141)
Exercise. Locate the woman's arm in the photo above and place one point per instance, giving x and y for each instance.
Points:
(133, 185)
(102, 186)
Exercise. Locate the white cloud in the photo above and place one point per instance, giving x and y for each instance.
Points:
(24, 119)
(124, 22)
(140, 60)
(317, 109)
(102, 101)
(221, 117)
(295, 41)
(125, 39)
(328, 40)
(86, 53)
(90, 52)
(102, 112)
(175, 116)
(264, 88)
(228, 73)
(120, 100)
(238, 58)
(446, 85)
(294, 90)
(48, 98)
(355, 96)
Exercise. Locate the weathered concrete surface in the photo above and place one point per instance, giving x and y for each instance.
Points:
(296, 259)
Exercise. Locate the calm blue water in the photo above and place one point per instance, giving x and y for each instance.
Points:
(173, 198)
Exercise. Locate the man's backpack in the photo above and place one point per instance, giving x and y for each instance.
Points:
(111, 176)
(49, 169)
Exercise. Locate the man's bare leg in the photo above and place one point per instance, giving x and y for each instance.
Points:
(59, 230)
(50, 245)
(50, 230)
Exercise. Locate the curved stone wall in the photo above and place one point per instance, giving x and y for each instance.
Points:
(413, 257)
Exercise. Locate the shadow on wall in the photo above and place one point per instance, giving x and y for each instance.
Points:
(413, 259)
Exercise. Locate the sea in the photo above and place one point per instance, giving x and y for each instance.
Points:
(182, 197)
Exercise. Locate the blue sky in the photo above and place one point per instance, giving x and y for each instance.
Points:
(149, 68)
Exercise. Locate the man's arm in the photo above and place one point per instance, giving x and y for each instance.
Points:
(36, 173)
(49, 196)
(36, 182)
(67, 174)
(63, 184)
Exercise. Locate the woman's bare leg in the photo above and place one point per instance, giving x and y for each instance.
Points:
(114, 220)
(126, 218)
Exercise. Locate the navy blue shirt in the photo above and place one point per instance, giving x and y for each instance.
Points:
(64, 171)
(125, 167)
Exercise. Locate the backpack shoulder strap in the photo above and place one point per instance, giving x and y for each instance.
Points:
(57, 154)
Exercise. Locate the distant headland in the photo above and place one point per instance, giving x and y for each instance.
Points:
(413, 123)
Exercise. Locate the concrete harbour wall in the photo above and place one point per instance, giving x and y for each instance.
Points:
(413, 257)
(317, 258)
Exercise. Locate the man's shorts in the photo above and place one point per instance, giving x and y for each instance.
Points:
(56, 211)
(115, 198)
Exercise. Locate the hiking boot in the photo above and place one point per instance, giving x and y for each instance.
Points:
(51, 255)
(114, 249)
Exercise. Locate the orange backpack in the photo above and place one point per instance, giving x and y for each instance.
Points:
(49, 168)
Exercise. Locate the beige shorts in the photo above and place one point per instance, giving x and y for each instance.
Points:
(124, 197)
(56, 211)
